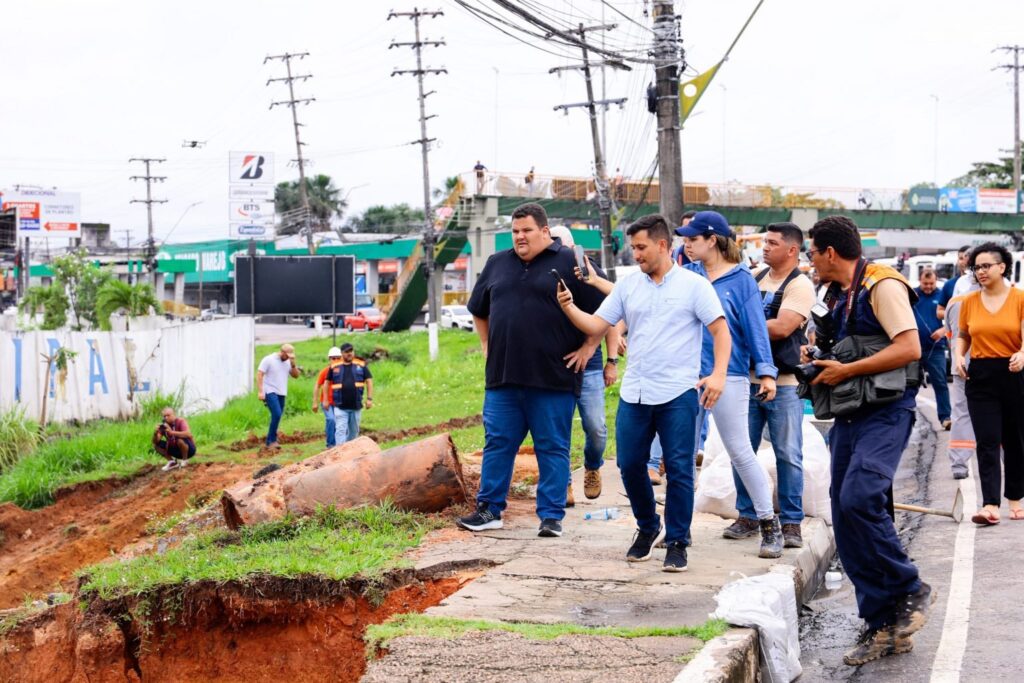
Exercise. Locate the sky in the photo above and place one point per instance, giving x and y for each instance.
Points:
(836, 94)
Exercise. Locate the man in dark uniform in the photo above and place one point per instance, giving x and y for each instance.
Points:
(870, 300)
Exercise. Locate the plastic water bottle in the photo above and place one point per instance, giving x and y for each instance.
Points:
(603, 513)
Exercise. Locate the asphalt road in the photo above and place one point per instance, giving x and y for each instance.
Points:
(971, 635)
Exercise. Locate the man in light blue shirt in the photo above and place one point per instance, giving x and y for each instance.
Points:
(665, 309)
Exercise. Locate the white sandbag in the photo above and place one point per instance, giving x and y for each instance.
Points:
(716, 489)
(768, 603)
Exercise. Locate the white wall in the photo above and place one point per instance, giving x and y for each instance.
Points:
(213, 359)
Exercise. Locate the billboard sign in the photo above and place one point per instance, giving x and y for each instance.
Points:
(991, 200)
(958, 199)
(45, 213)
(923, 199)
(251, 194)
(294, 285)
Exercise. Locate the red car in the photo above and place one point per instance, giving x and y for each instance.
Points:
(364, 319)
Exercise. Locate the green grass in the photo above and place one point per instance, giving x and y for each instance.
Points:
(378, 635)
(332, 544)
(18, 437)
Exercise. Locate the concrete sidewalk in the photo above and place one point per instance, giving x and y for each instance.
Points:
(583, 578)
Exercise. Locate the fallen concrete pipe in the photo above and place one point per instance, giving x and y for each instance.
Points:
(262, 498)
(424, 476)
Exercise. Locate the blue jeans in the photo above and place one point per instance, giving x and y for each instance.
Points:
(866, 451)
(346, 424)
(329, 424)
(509, 413)
(785, 419)
(934, 362)
(275, 404)
(675, 423)
(591, 407)
(656, 453)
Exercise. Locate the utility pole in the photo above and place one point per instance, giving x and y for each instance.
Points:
(604, 201)
(1015, 67)
(149, 202)
(293, 103)
(668, 61)
(429, 235)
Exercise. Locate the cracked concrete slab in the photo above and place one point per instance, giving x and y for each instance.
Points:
(497, 657)
(583, 578)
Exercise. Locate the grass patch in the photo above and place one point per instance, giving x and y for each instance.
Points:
(18, 437)
(332, 544)
(378, 635)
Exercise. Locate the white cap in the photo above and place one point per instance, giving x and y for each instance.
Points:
(563, 233)
(334, 352)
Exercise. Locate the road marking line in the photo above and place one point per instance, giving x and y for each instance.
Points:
(949, 656)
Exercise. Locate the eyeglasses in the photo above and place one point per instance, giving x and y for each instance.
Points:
(982, 267)
(812, 252)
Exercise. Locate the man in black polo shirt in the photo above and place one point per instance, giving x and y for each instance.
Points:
(534, 361)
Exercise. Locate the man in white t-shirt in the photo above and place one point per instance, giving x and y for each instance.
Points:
(272, 384)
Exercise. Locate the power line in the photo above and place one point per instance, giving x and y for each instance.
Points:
(149, 178)
(429, 235)
(292, 103)
(1016, 68)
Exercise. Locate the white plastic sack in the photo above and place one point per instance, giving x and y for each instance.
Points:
(768, 603)
(716, 490)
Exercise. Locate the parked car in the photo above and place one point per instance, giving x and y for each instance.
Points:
(456, 317)
(364, 319)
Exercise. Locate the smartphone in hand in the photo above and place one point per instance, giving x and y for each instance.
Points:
(581, 262)
(558, 277)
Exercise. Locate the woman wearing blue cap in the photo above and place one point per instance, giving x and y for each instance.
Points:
(717, 257)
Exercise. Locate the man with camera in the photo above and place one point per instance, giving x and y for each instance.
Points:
(865, 374)
(173, 439)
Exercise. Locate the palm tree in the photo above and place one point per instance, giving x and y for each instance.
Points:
(325, 202)
(134, 300)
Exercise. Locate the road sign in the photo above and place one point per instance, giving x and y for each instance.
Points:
(251, 194)
(45, 213)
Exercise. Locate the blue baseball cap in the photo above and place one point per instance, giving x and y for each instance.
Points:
(707, 223)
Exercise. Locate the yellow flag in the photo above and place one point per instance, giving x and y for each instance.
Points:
(690, 92)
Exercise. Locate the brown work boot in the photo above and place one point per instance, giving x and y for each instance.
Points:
(792, 536)
(570, 500)
(743, 527)
(912, 613)
(876, 643)
(591, 483)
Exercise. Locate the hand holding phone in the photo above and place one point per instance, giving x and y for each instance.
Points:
(561, 282)
(581, 262)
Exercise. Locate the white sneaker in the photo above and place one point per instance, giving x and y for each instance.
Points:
(171, 464)
(182, 463)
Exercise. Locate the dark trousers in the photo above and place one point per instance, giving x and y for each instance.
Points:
(275, 404)
(995, 399)
(675, 424)
(933, 358)
(866, 451)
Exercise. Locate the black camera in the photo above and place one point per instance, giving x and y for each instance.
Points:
(163, 426)
(825, 336)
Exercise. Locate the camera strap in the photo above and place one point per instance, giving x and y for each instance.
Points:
(851, 297)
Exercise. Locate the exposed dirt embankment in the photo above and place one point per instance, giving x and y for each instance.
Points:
(300, 630)
(42, 548)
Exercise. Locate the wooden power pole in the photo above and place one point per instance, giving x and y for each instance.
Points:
(667, 65)
(1015, 67)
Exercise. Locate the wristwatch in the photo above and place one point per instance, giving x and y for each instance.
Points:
(613, 361)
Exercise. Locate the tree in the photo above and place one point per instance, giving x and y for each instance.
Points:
(450, 183)
(398, 218)
(134, 300)
(76, 283)
(325, 202)
(994, 174)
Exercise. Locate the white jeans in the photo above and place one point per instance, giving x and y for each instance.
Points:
(731, 421)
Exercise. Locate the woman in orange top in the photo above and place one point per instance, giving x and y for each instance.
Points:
(992, 329)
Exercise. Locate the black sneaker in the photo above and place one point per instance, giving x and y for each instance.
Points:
(876, 643)
(741, 528)
(912, 613)
(550, 528)
(481, 520)
(643, 545)
(675, 558)
(961, 474)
